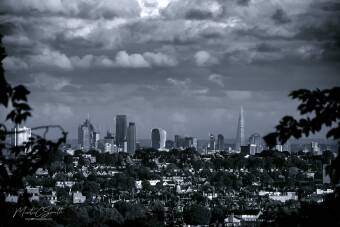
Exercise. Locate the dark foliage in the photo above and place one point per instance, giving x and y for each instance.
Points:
(18, 162)
(322, 108)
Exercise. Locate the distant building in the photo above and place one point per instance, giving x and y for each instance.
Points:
(188, 142)
(107, 144)
(86, 136)
(96, 137)
(255, 144)
(240, 139)
(179, 142)
(131, 138)
(169, 144)
(315, 148)
(158, 138)
(286, 147)
(212, 144)
(220, 142)
(255, 139)
(78, 198)
(121, 130)
(195, 143)
(279, 147)
(326, 179)
(253, 149)
(20, 136)
(231, 220)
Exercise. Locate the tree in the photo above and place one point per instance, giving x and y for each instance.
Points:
(25, 159)
(323, 105)
(197, 215)
(90, 188)
(320, 108)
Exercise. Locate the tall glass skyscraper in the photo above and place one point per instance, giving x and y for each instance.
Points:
(121, 130)
(220, 142)
(240, 139)
(158, 138)
(212, 142)
(86, 136)
(131, 138)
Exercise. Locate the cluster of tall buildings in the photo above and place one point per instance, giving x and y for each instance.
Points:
(216, 144)
(124, 139)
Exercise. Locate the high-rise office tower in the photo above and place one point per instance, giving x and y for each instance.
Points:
(158, 138)
(220, 142)
(255, 139)
(240, 139)
(96, 138)
(194, 143)
(255, 143)
(121, 130)
(131, 138)
(179, 141)
(188, 142)
(86, 136)
(212, 145)
(20, 136)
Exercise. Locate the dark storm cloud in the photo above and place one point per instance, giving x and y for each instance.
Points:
(265, 47)
(186, 66)
(243, 2)
(281, 17)
(195, 14)
(85, 9)
(330, 6)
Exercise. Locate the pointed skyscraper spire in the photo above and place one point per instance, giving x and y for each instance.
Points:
(240, 139)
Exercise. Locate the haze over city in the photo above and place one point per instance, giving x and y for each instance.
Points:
(185, 66)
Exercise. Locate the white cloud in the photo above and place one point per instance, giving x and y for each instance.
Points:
(152, 8)
(159, 59)
(204, 58)
(49, 82)
(50, 58)
(179, 83)
(123, 59)
(307, 52)
(14, 63)
(217, 79)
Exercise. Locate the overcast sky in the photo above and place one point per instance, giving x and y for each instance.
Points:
(183, 65)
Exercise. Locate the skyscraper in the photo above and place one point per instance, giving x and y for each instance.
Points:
(255, 143)
(86, 136)
(240, 139)
(131, 138)
(255, 139)
(220, 142)
(179, 141)
(121, 130)
(211, 145)
(158, 138)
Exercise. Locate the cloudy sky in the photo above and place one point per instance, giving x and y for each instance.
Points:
(183, 65)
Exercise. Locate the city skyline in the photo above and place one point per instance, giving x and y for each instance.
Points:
(185, 66)
(169, 113)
